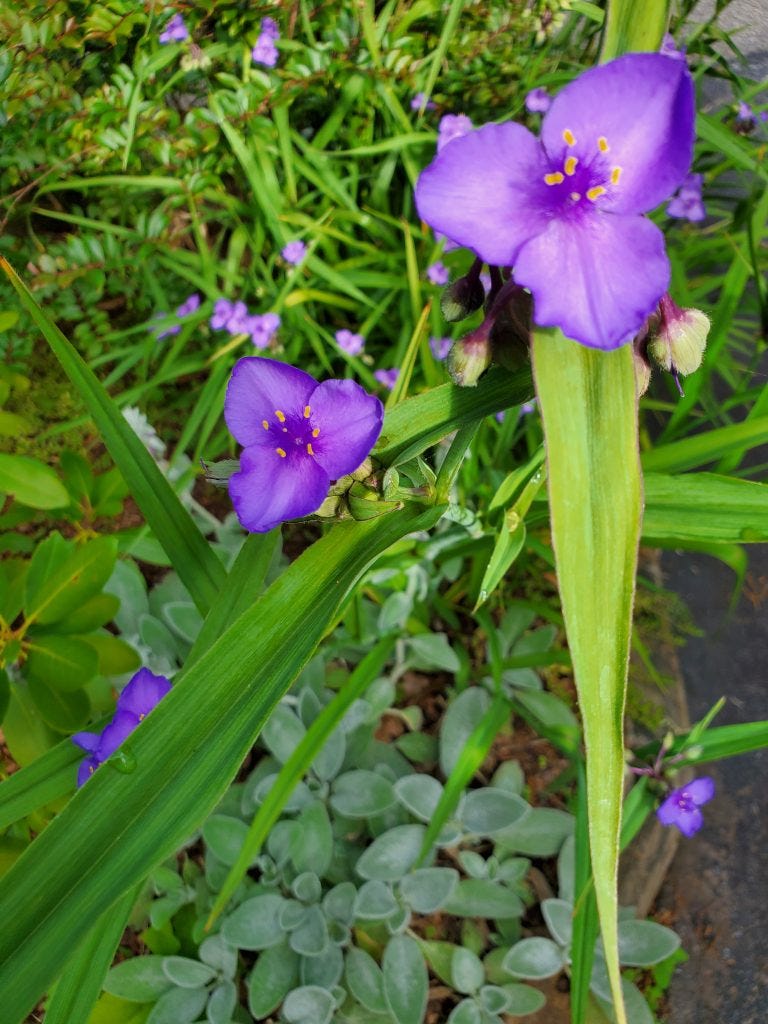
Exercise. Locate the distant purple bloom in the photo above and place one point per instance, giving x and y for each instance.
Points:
(262, 328)
(528, 407)
(687, 204)
(418, 102)
(239, 319)
(175, 31)
(350, 343)
(387, 377)
(294, 252)
(440, 347)
(438, 273)
(222, 311)
(566, 210)
(270, 28)
(165, 332)
(538, 101)
(265, 51)
(669, 48)
(681, 808)
(297, 436)
(142, 693)
(764, 115)
(745, 114)
(500, 416)
(452, 126)
(190, 305)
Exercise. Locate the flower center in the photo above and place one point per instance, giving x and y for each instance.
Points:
(588, 176)
(684, 802)
(300, 428)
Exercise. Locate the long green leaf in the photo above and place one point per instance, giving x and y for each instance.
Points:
(192, 557)
(595, 509)
(707, 447)
(704, 507)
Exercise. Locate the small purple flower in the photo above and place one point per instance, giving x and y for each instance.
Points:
(744, 113)
(141, 694)
(418, 102)
(222, 311)
(297, 436)
(669, 48)
(270, 28)
(239, 319)
(294, 252)
(175, 31)
(440, 347)
(538, 101)
(528, 407)
(438, 273)
(265, 51)
(349, 342)
(452, 126)
(262, 328)
(387, 377)
(190, 305)
(687, 204)
(566, 210)
(681, 808)
(500, 416)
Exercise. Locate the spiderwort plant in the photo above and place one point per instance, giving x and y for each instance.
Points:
(681, 808)
(298, 435)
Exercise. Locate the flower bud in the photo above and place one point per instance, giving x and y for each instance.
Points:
(461, 298)
(680, 339)
(365, 503)
(470, 357)
(642, 371)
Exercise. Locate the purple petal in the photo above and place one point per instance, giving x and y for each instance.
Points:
(689, 821)
(259, 387)
(86, 769)
(669, 810)
(121, 726)
(700, 790)
(597, 278)
(87, 740)
(481, 191)
(269, 489)
(142, 693)
(642, 106)
(538, 101)
(350, 422)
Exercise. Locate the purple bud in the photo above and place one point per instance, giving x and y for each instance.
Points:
(538, 101)
(438, 273)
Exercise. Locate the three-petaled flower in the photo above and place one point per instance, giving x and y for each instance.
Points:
(175, 31)
(681, 808)
(297, 436)
(566, 211)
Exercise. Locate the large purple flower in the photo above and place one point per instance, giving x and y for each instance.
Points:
(681, 808)
(297, 437)
(565, 211)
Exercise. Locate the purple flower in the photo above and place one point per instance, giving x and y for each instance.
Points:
(538, 101)
(528, 407)
(681, 808)
(687, 204)
(438, 273)
(566, 210)
(239, 319)
(222, 311)
(269, 27)
(350, 343)
(190, 305)
(294, 252)
(669, 48)
(418, 102)
(387, 377)
(297, 437)
(744, 113)
(175, 31)
(452, 126)
(440, 347)
(265, 51)
(141, 694)
(262, 328)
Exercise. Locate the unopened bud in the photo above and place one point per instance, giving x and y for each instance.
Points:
(680, 339)
(470, 357)
(366, 503)
(642, 371)
(461, 298)
(364, 470)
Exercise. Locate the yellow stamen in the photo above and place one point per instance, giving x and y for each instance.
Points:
(615, 175)
(602, 144)
(575, 196)
(316, 431)
(280, 452)
(595, 193)
(265, 424)
(309, 450)
(280, 415)
(569, 137)
(554, 179)
(307, 412)
(141, 716)
(570, 165)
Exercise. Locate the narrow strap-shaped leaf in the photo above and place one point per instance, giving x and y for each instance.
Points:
(192, 557)
(585, 923)
(595, 510)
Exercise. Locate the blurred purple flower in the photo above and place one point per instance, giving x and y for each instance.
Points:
(418, 102)
(175, 31)
(566, 210)
(387, 377)
(297, 436)
(190, 305)
(265, 52)
(222, 311)
(239, 317)
(438, 273)
(681, 808)
(262, 328)
(440, 347)
(528, 407)
(687, 204)
(538, 101)
(669, 48)
(142, 693)
(350, 343)
(500, 416)
(744, 113)
(452, 126)
(294, 252)
(270, 28)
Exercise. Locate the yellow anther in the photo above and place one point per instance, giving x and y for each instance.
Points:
(280, 452)
(280, 415)
(615, 175)
(141, 716)
(575, 196)
(309, 450)
(602, 144)
(307, 412)
(554, 179)
(595, 193)
(569, 137)
(265, 424)
(316, 431)
(570, 165)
